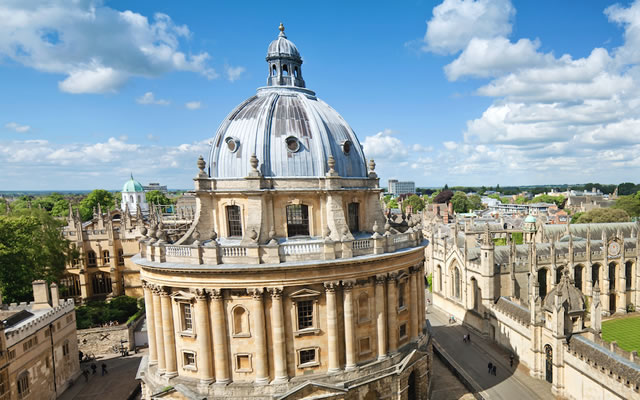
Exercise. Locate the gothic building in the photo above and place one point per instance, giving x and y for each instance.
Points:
(289, 284)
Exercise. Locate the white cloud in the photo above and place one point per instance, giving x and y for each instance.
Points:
(456, 22)
(383, 145)
(149, 98)
(17, 127)
(233, 73)
(98, 48)
(193, 105)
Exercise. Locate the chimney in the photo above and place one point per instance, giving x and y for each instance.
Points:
(55, 295)
(40, 295)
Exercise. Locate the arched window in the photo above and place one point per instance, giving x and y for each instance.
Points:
(101, 283)
(577, 276)
(628, 276)
(542, 282)
(595, 274)
(70, 286)
(139, 201)
(105, 257)
(612, 276)
(297, 220)
(354, 217)
(234, 221)
(295, 72)
(131, 198)
(457, 282)
(91, 258)
(285, 70)
(274, 70)
(240, 321)
(559, 272)
(363, 307)
(439, 278)
(23, 385)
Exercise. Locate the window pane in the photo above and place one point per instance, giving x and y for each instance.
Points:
(307, 356)
(234, 221)
(186, 313)
(305, 314)
(354, 217)
(297, 220)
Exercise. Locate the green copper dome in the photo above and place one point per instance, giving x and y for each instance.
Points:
(132, 185)
(530, 218)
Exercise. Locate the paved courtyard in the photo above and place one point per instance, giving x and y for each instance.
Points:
(118, 384)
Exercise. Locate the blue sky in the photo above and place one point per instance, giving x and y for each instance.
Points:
(458, 92)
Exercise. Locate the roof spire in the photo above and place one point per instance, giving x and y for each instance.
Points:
(281, 28)
(131, 175)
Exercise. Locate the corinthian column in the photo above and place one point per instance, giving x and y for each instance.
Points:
(221, 359)
(381, 320)
(169, 334)
(262, 364)
(279, 346)
(392, 311)
(413, 308)
(332, 327)
(349, 330)
(151, 326)
(157, 316)
(205, 370)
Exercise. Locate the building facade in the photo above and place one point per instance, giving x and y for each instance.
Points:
(399, 187)
(39, 353)
(532, 298)
(289, 284)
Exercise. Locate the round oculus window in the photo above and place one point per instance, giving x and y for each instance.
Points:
(232, 144)
(293, 144)
(346, 147)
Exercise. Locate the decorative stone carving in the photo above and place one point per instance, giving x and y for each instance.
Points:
(196, 237)
(253, 161)
(272, 236)
(216, 294)
(201, 294)
(253, 235)
(256, 293)
(201, 165)
(276, 293)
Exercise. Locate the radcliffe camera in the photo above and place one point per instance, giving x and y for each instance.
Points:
(337, 201)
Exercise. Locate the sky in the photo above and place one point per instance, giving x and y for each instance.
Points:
(455, 92)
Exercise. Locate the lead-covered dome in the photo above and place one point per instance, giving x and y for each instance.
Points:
(290, 130)
(282, 47)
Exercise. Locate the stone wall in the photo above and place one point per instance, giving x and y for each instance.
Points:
(101, 340)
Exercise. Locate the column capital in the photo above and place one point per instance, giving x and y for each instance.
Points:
(164, 291)
(216, 294)
(201, 294)
(330, 287)
(275, 292)
(348, 285)
(392, 277)
(256, 293)
(381, 279)
(145, 285)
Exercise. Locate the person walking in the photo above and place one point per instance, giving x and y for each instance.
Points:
(94, 367)
(493, 370)
(511, 357)
(104, 369)
(85, 373)
(490, 366)
(468, 338)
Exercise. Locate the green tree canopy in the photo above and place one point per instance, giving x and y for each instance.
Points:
(460, 202)
(545, 198)
(157, 197)
(475, 202)
(101, 196)
(603, 215)
(31, 248)
(416, 202)
(630, 204)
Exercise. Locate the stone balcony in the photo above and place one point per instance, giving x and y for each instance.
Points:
(224, 251)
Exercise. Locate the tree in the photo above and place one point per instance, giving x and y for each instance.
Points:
(460, 202)
(416, 203)
(393, 203)
(475, 202)
(603, 215)
(443, 197)
(627, 188)
(31, 248)
(545, 198)
(98, 196)
(157, 197)
(630, 204)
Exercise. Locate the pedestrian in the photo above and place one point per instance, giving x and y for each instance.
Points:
(468, 338)
(104, 369)
(490, 366)
(85, 373)
(464, 338)
(80, 355)
(493, 371)
(94, 367)
(511, 357)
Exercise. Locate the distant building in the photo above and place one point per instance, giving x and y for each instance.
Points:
(155, 186)
(133, 196)
(398, 187)
(41, 343)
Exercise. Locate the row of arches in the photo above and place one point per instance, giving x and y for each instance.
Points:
(286, 70)
(579, 271)
(101, 284)
(92, 259)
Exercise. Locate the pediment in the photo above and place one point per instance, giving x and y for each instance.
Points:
(311, 390)
(305, 293)
(181, 295)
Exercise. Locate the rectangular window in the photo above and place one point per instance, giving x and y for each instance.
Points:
(403, 330)
(120, 257)
(23, 385)
(354, 217)
(307, 356)
(401, 303)
(234, 221)
(65, 350)
(106, 257)
(305, 314)
(187, 322)
(297, 220)
(12, 354)
(189, 359)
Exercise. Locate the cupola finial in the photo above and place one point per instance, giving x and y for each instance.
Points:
(281, 28)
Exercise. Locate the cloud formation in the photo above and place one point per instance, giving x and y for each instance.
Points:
(96, 47)
(149, 98)
(233, 73)
(14, 126)
(193, 105)
(550, 113)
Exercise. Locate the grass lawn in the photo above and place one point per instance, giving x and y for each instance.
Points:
(625, 331)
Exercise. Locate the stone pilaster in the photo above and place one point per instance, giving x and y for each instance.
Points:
(349, 328)
(381, 317)
(169, 334)
(332, 327)
(413, 305)
(219, 324)
(262, 363)
(203, 337)
(157, 308)
(151, 325)
(392, 311)
(279, 345)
